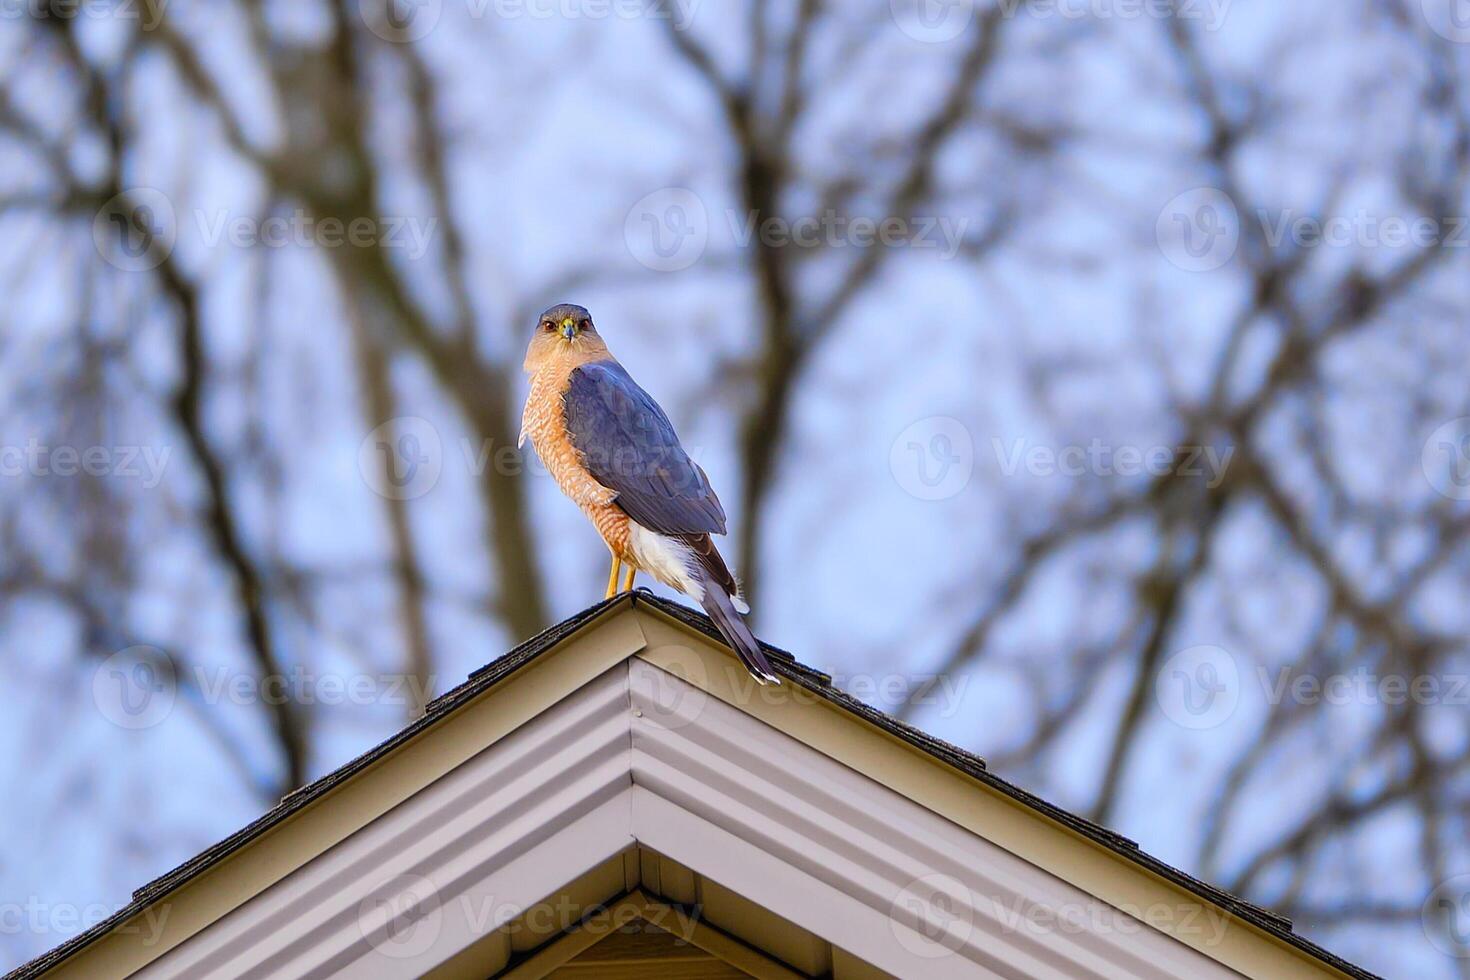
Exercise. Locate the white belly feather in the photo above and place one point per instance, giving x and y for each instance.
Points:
(667, 559)
(672, 562)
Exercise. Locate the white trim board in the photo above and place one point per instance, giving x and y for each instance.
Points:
(640, 756)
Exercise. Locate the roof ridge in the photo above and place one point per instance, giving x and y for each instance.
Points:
(820, 683)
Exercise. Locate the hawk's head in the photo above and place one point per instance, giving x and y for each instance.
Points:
(564, 330)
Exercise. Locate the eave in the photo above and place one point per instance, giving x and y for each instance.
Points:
(630, 727)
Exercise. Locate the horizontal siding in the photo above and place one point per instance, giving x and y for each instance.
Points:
(790, 851)
(470, 834)
(939, 895)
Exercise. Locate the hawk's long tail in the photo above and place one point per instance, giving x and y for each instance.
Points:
(732, 627)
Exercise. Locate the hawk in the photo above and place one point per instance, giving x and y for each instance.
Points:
(613, 451)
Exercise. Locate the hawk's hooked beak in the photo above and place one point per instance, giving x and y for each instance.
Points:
(568, 328)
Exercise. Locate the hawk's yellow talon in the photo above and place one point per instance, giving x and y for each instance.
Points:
(612, 577)
(628, 578)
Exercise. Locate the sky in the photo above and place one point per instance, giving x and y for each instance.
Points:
(1071, 306)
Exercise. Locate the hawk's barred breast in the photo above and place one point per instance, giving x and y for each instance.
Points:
(544, 421)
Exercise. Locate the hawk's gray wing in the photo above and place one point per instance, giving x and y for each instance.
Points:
(628, 445)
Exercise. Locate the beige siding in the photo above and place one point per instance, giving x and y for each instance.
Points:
(637, 757)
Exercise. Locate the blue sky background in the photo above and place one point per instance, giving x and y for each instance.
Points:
(1156, 392)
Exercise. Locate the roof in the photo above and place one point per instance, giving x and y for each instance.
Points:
(808, 679)
(971, 764)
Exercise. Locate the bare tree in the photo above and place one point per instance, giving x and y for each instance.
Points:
(1298, 519)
